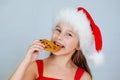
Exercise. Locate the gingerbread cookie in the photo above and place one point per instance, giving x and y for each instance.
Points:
(50, 46)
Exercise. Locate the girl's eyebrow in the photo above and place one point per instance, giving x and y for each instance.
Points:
(58, 26)
(71, 32)
(67, 30)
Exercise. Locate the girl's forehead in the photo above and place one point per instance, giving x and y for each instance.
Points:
(67, 27)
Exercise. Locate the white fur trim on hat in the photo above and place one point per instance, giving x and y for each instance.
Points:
(97, 58)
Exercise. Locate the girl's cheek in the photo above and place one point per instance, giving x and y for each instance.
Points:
(54, 36)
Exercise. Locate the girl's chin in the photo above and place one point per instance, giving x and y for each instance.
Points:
(59, 53)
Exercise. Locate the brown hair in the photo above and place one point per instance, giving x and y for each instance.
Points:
(79, 60)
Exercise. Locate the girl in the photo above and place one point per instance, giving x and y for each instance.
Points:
(74, 30)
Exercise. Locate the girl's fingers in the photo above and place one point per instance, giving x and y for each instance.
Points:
(36, 41)
(36, 46)
(33, 50)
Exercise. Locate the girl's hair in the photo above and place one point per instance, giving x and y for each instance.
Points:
(79, 60)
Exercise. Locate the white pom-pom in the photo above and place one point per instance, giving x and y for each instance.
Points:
(97, 58)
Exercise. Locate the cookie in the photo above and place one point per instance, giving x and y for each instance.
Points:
(50, 46)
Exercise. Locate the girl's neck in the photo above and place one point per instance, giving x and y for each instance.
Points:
(62, 61)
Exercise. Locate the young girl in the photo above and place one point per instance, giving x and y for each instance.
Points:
(75, 31)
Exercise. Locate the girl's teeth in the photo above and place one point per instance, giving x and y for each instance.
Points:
(59, 44)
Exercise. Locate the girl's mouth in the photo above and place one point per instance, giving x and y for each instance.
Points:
(59, 44)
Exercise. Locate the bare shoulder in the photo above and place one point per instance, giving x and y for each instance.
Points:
(31, 72)
(34, 69)
(32, 66)
(86, 76)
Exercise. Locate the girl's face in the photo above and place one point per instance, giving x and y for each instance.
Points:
(66, 37)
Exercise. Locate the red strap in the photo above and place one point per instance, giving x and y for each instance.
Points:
(40, 71)
(79, 73)
(40, 67)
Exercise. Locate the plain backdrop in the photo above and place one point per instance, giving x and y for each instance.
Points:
(22, 21)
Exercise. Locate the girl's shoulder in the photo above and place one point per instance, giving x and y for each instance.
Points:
(86, 76)
(31, 72)
(81, 74)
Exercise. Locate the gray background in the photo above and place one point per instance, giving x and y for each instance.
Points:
(22, 21)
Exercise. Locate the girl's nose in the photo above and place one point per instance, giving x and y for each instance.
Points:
(60, 36)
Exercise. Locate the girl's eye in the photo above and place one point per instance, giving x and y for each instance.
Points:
(69, 34)
(58, 30)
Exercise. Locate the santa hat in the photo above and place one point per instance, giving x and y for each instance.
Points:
(88, 31)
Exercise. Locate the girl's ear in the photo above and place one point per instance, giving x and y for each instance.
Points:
(78, 47)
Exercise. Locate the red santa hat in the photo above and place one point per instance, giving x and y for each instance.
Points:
(88, 31)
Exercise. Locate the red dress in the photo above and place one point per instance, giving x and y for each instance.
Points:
(40, 67)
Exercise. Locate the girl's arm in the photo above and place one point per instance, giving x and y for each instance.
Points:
(31, 72)
(19, 73)
(28, 61)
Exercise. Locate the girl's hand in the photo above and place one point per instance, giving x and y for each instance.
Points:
(33, 51)
(32, 54)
